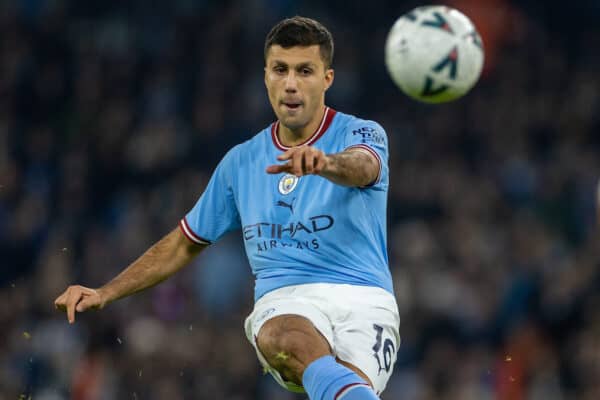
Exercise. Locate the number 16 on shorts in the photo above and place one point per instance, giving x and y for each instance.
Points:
(384, 351)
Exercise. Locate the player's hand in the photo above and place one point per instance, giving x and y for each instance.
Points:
(302, 160)
(79, 298)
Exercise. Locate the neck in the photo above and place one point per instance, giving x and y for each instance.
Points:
(290, 137)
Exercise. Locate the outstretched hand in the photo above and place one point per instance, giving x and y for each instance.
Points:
(78, 298)
(302, 160)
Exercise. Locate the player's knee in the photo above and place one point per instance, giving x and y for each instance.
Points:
(290, 343)
(293, 335)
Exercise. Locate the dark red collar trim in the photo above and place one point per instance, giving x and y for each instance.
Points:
(325, 123)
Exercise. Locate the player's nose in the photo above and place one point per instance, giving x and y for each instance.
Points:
(291, 82)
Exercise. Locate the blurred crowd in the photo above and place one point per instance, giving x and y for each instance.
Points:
(113, 115)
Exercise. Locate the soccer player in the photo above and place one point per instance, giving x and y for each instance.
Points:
(309, 194)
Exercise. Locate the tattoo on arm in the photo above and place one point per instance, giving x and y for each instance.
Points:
(351, 168)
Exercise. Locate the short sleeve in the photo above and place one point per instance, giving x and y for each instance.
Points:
(215, 213)
(370, 137)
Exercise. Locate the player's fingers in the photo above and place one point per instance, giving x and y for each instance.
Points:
(88, 301)
(88, 291)
(320, 163)
(308, 162)
(72, 299)
(91, 298)
(84, 304)
(296, 167)
(286, 155)
(59, 303)
(278, 168)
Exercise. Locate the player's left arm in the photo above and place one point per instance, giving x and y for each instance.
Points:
(354, 166)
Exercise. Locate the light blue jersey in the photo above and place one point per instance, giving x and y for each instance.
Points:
(300, 230)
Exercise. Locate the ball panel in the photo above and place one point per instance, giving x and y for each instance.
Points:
(434, 54)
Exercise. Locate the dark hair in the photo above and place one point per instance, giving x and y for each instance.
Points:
(301, 31)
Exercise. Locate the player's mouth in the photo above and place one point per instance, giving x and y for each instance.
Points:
(292, 105)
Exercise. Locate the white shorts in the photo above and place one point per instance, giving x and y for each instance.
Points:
(360, 323)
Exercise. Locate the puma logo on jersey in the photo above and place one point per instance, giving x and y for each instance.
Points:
(290, 206)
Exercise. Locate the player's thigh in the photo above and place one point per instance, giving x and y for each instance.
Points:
(369, 339)
(280, 303)
(291, 341)
(287, 302)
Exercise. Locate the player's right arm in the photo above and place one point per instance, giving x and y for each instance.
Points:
(159, 262)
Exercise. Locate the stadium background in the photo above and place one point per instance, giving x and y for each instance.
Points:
(113, 114)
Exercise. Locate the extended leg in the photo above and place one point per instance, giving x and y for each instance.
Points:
(293, 346)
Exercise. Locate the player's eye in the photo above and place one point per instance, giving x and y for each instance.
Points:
(280, 69)
(306, 71)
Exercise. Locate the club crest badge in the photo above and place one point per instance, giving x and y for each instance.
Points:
(287, 183)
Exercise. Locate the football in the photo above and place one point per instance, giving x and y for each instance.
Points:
(434, 54)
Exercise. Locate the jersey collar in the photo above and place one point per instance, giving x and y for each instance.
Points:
(323, 126)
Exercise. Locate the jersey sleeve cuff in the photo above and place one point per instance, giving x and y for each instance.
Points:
(368, 150)
(187, 231)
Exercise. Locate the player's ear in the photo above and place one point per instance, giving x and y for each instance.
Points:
(329, 75)
(265, 76)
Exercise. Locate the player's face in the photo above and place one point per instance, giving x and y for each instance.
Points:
(296, 81)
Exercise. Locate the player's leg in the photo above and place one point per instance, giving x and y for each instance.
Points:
(293, 346)
(290, 343)
(366, 332)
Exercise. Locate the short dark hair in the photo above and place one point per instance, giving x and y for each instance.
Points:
(301, 31)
